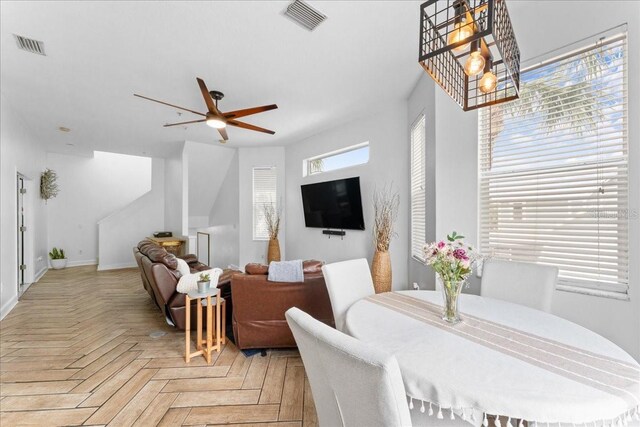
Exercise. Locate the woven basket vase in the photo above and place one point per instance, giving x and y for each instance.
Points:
(381, 272)
(273, 253)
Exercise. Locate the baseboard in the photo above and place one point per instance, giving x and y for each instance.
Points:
(5, 309)
(118, 266)
(82, 262)
(40, 273)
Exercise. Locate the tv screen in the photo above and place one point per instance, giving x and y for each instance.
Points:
(333, 204)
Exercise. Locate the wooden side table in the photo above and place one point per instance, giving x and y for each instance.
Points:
(174, 245)
(220, 337)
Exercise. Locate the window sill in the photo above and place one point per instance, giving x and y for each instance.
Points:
(593, 292)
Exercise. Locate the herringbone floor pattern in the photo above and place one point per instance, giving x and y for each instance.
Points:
(76, 350)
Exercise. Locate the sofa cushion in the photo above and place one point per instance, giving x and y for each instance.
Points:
(312, 266)
(144, 245)
(159, 254)
(255, 268)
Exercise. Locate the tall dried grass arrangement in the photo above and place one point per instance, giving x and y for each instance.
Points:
(272, 214)
(385, 210)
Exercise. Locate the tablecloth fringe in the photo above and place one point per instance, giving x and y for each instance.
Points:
(621, 420)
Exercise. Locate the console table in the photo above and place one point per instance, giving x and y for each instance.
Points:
(175, 245)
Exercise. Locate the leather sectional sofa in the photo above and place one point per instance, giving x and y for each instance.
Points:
(160, 279)
(259, 305)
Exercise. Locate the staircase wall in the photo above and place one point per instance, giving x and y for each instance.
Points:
(122, 230)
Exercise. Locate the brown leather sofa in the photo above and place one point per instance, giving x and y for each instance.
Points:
(160, 279)
(259, 305)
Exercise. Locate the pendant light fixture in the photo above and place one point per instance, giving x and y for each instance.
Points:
(475, 62)
(461, 30)
(488, 81)
(469, 48)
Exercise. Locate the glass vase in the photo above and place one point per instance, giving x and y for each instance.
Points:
(450, 293)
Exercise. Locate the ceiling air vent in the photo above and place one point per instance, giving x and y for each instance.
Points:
(304, 15)
(30, 45)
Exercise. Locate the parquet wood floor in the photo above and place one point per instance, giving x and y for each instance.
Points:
(76, 350)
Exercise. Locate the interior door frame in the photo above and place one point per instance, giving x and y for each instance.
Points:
(20, 232)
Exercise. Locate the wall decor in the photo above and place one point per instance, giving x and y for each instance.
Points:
(48, 184)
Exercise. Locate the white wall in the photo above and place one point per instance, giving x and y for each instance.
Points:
(387, 133)
(256, 250)
(176, 194)
(456, 173)
(207, 168)
(456, 153)
(91, 188)
(224, 218)
(19, 152)
(123, 229)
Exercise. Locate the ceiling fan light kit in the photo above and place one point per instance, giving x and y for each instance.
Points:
(214, 117)
(469, 48)
(216, 122)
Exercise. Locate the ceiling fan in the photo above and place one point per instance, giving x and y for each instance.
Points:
(214, 117)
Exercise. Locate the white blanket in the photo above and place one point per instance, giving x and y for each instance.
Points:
(189, 282)
(286, 271)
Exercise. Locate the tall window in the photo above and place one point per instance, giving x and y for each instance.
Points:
(418, 197)
(554, 170)
(264, 192)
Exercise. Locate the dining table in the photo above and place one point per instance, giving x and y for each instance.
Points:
(502, 359)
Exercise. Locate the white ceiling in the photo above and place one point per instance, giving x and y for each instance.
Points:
(99, 53)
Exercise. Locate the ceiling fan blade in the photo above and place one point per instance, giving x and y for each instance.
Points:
(248, 111)
(185, 123)
(223, 134)
(248, 126)
(170, 105)
(207, 97)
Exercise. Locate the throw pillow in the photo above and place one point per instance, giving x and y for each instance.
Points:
(189, 282)
(183, 267)
(255, 268)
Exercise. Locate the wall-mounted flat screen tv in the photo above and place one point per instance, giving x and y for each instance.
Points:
(333, 204)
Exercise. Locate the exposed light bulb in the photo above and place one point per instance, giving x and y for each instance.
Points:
(488, 82)
(474, 64)
(461, 31)
(216, 122)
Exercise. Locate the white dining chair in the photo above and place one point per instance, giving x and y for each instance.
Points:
(347, 282)
(353, 383)
(519, 282)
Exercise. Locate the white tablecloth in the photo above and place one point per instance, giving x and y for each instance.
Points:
(460, 369)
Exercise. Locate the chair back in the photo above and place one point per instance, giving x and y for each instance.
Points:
(347, 282)
(353, 384)
(519, 282)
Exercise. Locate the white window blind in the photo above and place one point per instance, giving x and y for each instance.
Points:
(418, 198)
(264, 192)
(554, 170)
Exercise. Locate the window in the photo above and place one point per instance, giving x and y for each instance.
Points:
(418, 197)
(264, 192)
(554, 170)
(340, 159)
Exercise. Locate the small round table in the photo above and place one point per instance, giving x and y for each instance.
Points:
(203, 298)
(503, 359)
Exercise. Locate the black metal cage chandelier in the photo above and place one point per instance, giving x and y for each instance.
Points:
(468, 47)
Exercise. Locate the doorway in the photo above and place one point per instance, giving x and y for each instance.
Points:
(22, 228)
